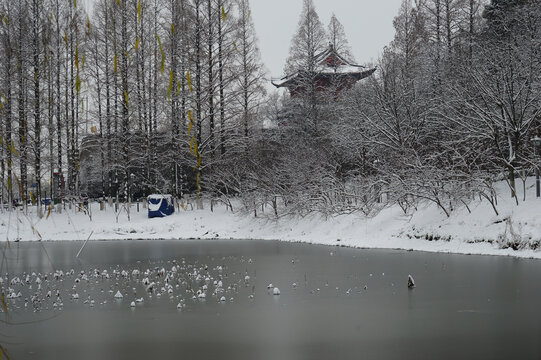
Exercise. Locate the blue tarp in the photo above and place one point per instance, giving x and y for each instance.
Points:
(160, 205)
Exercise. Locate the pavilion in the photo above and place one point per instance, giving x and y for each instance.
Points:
(332, 72)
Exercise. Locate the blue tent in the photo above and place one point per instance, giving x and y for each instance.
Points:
(160, 205)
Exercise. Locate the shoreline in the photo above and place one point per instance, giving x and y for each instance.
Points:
(509, 253)
(514, 232)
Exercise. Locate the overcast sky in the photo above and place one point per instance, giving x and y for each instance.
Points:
(368, 25)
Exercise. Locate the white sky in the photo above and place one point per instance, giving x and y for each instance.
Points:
(368, 25)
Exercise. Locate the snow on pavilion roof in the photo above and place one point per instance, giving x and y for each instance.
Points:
(329, 62)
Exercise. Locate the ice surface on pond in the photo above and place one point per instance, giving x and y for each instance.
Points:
(149, 281)
(342, 304)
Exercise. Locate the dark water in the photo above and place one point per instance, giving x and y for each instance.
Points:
(464, 307)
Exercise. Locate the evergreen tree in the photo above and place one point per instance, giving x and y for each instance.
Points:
(309, 40)
(338, 39)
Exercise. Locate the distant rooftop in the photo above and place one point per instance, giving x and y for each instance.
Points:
(328, 64)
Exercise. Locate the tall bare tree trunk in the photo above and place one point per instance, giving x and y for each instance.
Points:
(210, 64)
(23, 126)
(36, 10)
(221, 15)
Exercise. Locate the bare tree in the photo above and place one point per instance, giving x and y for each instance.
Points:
(338, 39)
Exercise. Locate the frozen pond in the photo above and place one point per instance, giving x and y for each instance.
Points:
(347, 303)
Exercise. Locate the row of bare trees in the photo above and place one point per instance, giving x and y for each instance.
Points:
(165, 95)
(457, 102)
(152, 93)
(452, 110)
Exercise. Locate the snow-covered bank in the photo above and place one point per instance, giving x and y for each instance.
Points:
(427, 229)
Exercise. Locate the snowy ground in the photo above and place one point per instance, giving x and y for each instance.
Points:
(428, 229)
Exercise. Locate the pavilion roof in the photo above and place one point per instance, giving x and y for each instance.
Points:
(329, 62)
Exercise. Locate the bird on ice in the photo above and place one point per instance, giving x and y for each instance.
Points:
(411, 282)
